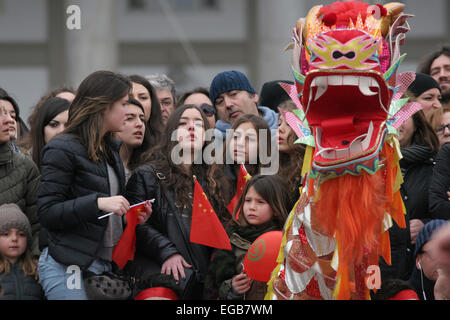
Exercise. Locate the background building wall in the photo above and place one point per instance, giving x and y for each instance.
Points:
(191, 40)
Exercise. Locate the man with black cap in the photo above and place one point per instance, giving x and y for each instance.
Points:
(426, 270)
(233, 96)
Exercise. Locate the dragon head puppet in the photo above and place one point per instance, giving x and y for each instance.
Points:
(348, 93)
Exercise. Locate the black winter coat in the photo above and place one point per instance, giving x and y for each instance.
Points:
(417, 167)
(440, 184)
(67, 199)
(19, 183)
(160, 237)
(15, 286)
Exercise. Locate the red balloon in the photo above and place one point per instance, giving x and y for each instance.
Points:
(261, 257)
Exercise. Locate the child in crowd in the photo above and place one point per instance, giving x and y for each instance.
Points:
(263, 207)
(17, 269)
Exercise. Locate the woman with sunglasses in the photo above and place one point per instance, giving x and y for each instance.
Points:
(440, 121)
(200, 97)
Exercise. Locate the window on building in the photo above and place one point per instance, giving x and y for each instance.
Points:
(176, 5)
(137, 4)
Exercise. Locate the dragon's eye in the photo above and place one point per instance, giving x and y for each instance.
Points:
(338, 54)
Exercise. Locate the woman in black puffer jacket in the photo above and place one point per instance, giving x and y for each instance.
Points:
(419, 146)
(82, 179)
(163, 243)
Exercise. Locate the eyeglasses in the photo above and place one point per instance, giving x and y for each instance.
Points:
(441, 129)
(208, 110)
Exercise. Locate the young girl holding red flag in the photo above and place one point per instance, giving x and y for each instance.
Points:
(82, 179)
(264, 207)
(163, 244)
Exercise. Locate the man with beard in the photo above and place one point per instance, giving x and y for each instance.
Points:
(437, 65)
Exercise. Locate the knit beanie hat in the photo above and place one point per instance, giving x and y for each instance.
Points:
(11, 216)
(426, 233)
(228, 81)
(422, 83)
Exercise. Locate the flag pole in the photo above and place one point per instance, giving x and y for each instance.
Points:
(134, 205)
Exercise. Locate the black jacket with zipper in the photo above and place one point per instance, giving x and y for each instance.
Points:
(160, 237)
(67, 199)
(440, 185)
(417, 167)
(15, 286)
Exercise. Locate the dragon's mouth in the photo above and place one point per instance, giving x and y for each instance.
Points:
(347, 110)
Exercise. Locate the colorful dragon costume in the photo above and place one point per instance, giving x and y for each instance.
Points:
(348, 93)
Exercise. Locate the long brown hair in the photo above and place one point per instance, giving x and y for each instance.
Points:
(177, 178)
(273, 190)
(98, 92)
(155, 125)
(424, 134)
(25, 261)
(46, 112)
(291, 163)
(258, 124)
(29, 141)
(425, 66)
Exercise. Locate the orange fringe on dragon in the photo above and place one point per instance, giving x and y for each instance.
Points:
(349, 97)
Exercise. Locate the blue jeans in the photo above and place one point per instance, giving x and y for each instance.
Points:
(61, 282)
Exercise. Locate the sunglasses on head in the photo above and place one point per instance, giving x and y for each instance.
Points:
(208, 110)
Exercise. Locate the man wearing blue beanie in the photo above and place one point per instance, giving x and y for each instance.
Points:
(233, 96)
(425, 273)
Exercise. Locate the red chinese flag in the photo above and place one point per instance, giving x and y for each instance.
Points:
(125, 248)
(243, 177)
(206, 229)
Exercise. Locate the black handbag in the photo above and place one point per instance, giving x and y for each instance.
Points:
(106, 286)
(143, 267)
